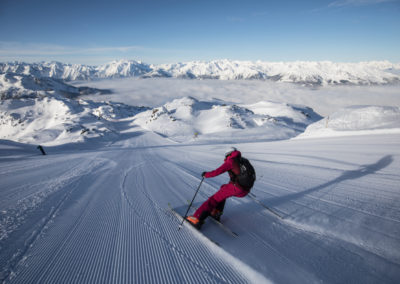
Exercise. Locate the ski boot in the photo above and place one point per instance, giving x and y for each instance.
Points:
(216, 214)
(194, 222)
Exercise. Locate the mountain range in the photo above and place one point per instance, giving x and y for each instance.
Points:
(300, 72)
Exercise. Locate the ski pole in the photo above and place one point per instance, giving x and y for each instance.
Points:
(187, 211)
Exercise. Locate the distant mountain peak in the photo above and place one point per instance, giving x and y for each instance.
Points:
(301, 72)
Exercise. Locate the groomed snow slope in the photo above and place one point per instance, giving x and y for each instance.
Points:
(101, 215)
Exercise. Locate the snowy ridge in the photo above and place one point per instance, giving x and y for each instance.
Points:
(16, 86)
(57, 120)
(48, 111)
(356, 120)
(308, 73)
(312, 73)
(190, 119)
(55, 70)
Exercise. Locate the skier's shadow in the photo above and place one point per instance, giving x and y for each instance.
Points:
(347, 175)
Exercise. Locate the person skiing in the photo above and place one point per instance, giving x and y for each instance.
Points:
(214, 205)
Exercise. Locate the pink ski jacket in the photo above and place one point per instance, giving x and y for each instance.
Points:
(230, 165)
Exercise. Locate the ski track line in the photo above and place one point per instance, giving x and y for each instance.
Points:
(329, 233)
(20, 255)
(371, 192)
(172, 246)
(346, 207)
(383, 207)
(377, 174)
(50, 259)
(350, 196)
(333, 239)
(78, 245)
(342, 219)
(24, 188)
(47, 258)
(365, 246)
(132, 207)
(32, 201)
(310, 196)
(238, 241)
(318, 199)
(213, 184)
(338, 205)
(216, 276)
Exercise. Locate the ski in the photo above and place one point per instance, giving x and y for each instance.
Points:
(180, 218)
(221, 225)
(253, 197)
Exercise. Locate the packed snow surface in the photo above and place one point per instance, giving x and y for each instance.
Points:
(302, 72)
(101, 214)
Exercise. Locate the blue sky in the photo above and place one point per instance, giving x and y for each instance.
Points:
(166, 31)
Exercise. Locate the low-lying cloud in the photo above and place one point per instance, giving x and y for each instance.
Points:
(324, 100)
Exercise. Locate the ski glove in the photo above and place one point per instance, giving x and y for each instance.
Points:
(203, 174)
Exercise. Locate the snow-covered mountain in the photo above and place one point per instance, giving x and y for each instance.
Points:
(356, 120)
(55, 70)
(190, 119)
(48, 111)
(308, 73)
(312, 73)
(13, 85)
(72, 72)
(57, 120)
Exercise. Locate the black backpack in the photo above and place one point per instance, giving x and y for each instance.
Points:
(247, 175)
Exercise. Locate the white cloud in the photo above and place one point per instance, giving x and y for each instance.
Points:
(324, 100)
(38, 49)
(97, 55)
(341, 3)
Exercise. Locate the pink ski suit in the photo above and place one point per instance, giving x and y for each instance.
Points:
(230, 165)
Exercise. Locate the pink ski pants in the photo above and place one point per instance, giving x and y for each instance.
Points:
(226, 191)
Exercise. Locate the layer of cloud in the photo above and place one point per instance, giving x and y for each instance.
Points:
(325, 100)
(36, 49)
(342, 3)
(97, 55)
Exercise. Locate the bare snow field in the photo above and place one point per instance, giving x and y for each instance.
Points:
(95, 209)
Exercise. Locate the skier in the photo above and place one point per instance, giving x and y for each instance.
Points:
(214, 206)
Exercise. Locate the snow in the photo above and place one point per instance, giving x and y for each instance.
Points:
(188, 119)
(96, 207)
(101, 214)
(357, 120)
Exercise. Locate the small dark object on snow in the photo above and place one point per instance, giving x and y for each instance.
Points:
(41, 149)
